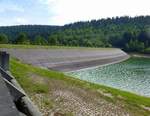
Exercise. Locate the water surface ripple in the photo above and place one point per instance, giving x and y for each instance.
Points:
(132, 75)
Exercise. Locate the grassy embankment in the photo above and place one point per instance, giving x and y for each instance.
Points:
(23, 73)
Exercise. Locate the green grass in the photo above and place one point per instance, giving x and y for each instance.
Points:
(47, 47)
(21, 72)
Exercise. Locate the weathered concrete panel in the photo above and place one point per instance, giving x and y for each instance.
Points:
(67, 59)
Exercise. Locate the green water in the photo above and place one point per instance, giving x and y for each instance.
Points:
(132, 75)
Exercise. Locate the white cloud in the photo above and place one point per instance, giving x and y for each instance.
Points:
(47, 1)
(60, 12)
(14, 21)
(10, 7)
(21, 21)
(67, 11)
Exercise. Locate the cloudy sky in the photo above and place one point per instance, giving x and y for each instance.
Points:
(60, 12)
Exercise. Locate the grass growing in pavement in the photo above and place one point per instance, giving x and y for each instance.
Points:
(48, 47)
(22, 73)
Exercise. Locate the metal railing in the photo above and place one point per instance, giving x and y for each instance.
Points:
(22, 101)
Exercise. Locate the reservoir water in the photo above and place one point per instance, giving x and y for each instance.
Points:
(132, 75)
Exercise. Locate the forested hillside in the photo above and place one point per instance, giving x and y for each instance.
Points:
(130, 34)
(31, 30)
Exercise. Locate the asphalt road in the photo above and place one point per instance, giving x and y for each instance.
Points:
(7, 106)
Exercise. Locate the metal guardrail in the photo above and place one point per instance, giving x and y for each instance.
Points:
(22, 101)
(4, 67)
(4, 61)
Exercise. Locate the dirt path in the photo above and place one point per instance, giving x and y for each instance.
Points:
(70, 100)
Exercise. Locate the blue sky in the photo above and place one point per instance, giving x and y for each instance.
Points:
(60, 12)
(14, 12)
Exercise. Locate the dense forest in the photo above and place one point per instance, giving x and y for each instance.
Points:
(131, 34)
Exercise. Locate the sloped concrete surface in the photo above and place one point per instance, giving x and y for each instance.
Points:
(67, 59)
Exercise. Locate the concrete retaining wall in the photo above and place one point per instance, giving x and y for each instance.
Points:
(68, 59)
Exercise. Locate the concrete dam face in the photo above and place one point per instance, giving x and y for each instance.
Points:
(68, 59)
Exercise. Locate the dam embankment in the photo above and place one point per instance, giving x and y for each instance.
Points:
(68, 59)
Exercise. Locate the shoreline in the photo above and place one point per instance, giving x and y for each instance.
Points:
(131, 101)
(101, 65)
(140, 55)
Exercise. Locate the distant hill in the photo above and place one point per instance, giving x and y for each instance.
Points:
(128, 33)
(31, 30)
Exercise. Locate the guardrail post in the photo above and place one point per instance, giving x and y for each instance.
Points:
(4, 61)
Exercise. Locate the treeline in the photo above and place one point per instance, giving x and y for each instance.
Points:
(129, 33)
(23, 38)
(31, 31)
